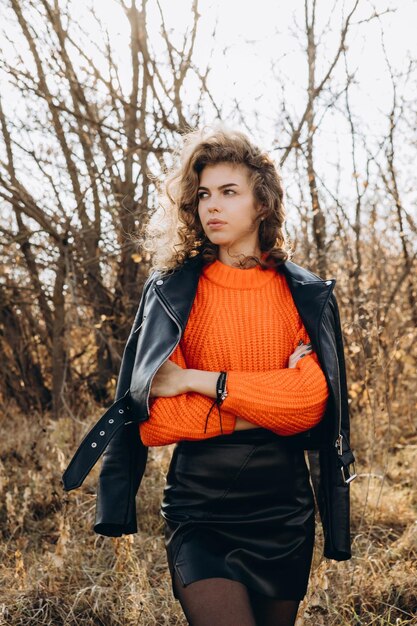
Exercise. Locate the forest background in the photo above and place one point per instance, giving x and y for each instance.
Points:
(94, 97)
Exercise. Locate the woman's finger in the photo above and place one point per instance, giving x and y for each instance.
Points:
(303, 348)
(300, 352)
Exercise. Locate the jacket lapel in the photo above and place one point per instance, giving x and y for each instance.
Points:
(310, 295)
(179, 289)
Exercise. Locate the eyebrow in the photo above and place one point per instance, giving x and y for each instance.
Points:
(220, 187)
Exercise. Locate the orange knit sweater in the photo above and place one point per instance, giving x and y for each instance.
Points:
(243, 321)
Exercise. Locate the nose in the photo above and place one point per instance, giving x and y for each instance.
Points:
(213, 205)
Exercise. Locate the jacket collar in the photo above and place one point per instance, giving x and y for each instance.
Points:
(310, 293)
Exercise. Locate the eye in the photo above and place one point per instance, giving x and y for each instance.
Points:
(201, 194)
(229, 190)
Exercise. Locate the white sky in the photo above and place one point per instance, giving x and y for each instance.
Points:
(258, 35)
(258, 32)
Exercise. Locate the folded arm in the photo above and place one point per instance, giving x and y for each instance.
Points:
(286, 400)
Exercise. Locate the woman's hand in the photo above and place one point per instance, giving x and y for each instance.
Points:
(242, 424)
(301, 350)
(169, 380)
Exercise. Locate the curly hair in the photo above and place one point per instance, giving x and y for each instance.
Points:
(174, 232)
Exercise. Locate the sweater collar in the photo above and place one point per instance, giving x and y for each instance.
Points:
(235, 277)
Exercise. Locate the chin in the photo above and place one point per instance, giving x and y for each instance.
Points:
(218, 240)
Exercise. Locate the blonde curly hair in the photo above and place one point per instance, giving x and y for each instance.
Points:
(174, 232)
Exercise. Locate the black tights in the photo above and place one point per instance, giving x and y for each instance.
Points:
(225, 602)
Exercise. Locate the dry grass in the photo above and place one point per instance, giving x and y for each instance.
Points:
(56, 571)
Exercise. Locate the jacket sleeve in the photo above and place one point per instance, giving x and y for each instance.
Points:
(184, 417)
(129, 352)
(125, 457)
(332, 492)
(287, 400)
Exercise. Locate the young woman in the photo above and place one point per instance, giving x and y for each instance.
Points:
(235, 355)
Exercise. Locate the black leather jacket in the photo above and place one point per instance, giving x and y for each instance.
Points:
(161, 318)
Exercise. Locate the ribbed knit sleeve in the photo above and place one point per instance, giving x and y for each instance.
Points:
(184, 416)
(286, 401)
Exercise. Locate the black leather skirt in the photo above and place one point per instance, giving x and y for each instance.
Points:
(240, 506)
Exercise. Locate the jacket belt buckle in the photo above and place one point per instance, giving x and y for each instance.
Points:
(347, 475)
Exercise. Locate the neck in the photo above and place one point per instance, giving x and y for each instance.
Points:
(234, 259)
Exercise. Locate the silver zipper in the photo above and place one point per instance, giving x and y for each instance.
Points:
(339, 439)
(172, 351)
(326, 282)
(140, 325)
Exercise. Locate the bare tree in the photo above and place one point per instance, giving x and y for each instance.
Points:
(94, 166)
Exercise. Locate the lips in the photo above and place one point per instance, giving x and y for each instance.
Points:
(213, 222)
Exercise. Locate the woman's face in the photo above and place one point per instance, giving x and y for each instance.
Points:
(225, 196)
